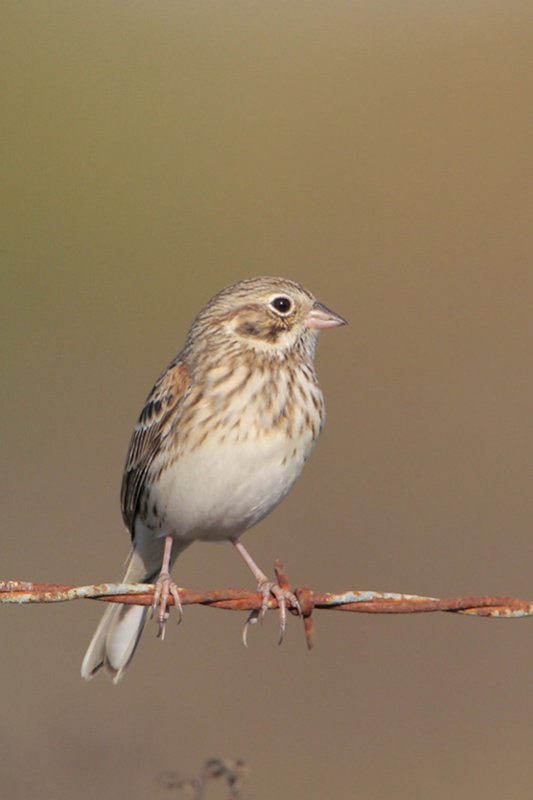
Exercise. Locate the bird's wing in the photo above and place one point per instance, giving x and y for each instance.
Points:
(153, 425)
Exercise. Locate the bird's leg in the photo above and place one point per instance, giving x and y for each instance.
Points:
(267, 587)
(165, 587)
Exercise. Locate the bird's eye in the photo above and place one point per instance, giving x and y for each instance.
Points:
(281, 304)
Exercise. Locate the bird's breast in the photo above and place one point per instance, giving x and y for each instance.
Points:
(237, 452)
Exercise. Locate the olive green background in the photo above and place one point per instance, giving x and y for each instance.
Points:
(380, 153)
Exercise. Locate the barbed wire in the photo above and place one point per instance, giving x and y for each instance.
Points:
(368, 602)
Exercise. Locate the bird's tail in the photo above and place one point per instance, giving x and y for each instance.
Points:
(117, 635)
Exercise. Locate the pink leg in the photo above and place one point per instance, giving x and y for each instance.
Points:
(165, 587)
(267, 588)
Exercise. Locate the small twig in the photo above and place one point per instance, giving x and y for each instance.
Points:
(369, 602)
(233, 773)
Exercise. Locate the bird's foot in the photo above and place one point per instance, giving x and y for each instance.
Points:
(285, 599)
(164, 589)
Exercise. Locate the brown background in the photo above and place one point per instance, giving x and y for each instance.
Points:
(379, 152)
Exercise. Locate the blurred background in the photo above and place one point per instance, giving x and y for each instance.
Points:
(380, 153)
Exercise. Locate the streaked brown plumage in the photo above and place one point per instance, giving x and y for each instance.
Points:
(223, 435)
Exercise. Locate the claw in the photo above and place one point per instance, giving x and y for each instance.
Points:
(284, 598)
(283, 595)
(164, 588)
(252, 620)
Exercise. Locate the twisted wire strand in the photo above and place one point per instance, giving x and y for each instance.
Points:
(369, 602)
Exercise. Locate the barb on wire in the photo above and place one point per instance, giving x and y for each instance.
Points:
(369, 602)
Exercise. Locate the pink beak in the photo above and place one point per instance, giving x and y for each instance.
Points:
(321, 317)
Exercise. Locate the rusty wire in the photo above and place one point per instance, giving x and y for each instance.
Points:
(369, 602)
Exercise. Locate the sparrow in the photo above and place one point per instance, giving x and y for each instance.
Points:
(222, 438)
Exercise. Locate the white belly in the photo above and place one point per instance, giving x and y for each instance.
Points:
(220, 490)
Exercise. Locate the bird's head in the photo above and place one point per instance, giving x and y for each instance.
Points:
(267, 315)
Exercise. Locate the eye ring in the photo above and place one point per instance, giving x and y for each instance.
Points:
(282, 305)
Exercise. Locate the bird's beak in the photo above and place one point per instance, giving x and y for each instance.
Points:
(321, 317)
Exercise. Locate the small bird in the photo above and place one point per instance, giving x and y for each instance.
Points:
(223, 436)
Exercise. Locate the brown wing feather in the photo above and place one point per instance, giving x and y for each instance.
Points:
(152, 426)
